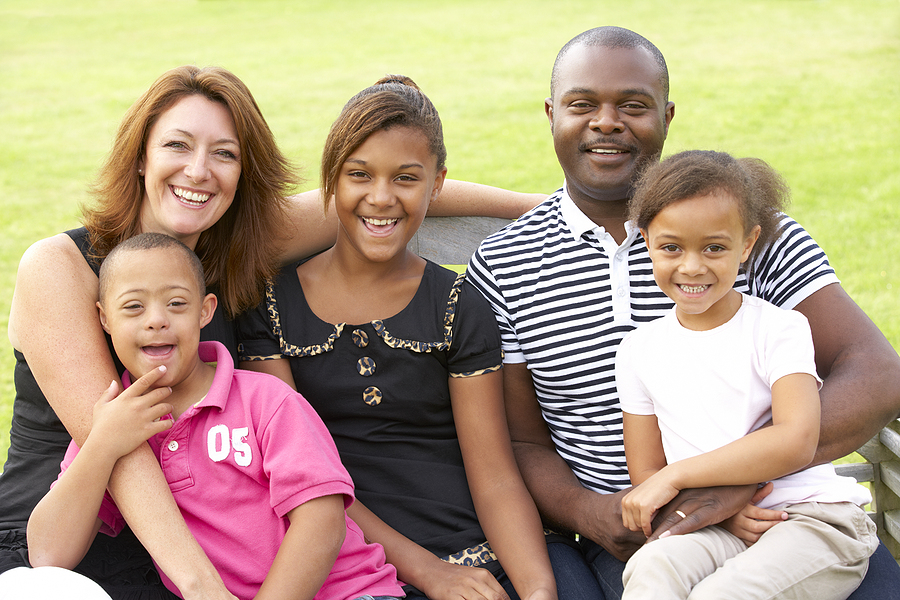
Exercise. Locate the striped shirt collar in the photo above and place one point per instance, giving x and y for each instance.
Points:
(579, 223)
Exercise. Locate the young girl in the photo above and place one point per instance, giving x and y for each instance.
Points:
(699, 385)
(401, 359)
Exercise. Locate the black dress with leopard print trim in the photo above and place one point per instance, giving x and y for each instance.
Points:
(382, 390)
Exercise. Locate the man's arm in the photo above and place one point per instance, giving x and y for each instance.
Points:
(861, 371)
(561, 499)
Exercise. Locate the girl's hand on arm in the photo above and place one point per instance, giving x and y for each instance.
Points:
(418, 567)
(640, 505)
(308, 551)
(752, 521)
(505, 509)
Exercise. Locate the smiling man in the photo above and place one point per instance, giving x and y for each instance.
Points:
(570, 278)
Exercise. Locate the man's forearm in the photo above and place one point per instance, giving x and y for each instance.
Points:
(567, 506)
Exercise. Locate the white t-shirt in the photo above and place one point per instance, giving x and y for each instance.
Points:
(709, 388)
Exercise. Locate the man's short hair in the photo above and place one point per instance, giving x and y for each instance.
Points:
(612, 37)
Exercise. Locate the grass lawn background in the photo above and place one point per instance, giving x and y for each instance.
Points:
(812, 86)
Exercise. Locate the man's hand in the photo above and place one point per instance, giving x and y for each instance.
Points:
(693, 509)
(605, 526)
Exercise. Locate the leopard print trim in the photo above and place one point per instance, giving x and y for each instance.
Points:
(288, 349)
(480, 554)
(493, 369)
(417, 346)
(472, 557)
(255, 357)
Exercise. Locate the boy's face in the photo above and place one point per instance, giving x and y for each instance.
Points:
(153, 311)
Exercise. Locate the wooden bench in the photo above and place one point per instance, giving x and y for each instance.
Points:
(453, 240)
(882, 469)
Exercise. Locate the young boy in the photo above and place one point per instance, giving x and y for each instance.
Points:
(250, 464)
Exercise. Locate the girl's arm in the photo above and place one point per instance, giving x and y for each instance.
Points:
(308, 550)
(54, 323)
(505, 509)
(415, 565)
(765, 454)
(311, 230)
(279, 367)
(643, 446)
(64, 523)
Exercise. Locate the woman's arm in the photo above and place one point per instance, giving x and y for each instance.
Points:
(308, 550)
(54, 323)
(765, 454)
(505, 509)
(312, 230)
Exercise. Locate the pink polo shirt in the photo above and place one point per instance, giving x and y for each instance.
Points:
(237, 463)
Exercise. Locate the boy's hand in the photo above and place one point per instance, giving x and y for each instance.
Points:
(752, 521)
(124, 421)
(641, 504)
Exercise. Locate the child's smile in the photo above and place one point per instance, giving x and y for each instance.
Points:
(383, 191)
(697, 246)
(153, 310)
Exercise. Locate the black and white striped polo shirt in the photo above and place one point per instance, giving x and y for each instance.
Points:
(565, 294)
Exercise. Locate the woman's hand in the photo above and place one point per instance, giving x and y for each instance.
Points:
(751, 522)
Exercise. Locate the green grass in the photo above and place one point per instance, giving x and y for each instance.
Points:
(811, 86)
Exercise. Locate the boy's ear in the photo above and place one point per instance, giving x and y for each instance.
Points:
(103, 319)
(207, 309)
(646, 239)
(749, 242)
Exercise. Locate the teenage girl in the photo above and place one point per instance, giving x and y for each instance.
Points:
(401, 358)
(698, 385)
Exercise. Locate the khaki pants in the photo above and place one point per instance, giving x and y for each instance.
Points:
(821, 552)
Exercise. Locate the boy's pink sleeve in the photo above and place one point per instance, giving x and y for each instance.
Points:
(109, 514)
